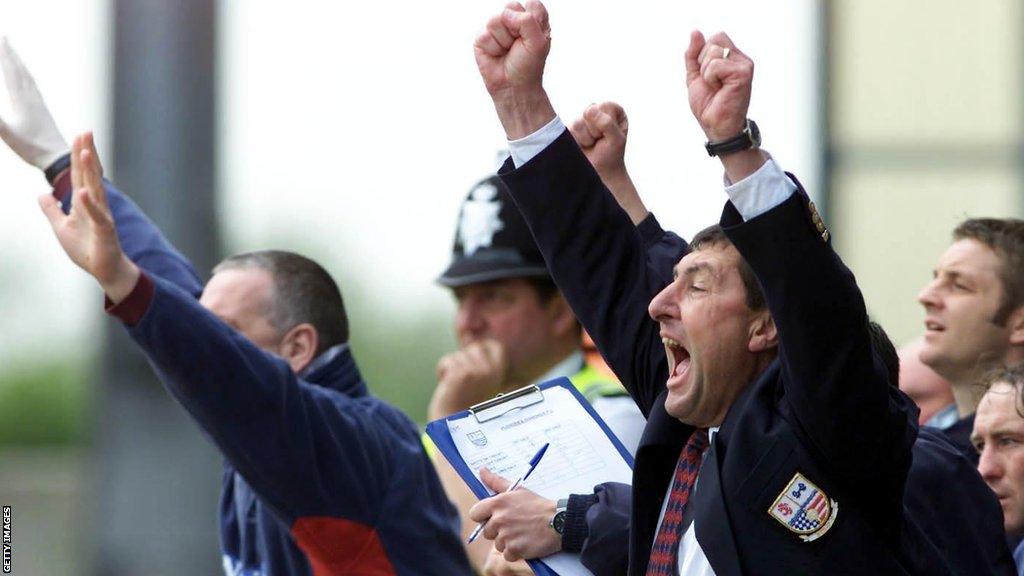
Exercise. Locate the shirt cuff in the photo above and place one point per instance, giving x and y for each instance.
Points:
(62, 189)
(136, 304)
(576, 530)
(59, 166)
(524, 149)
(761, 191)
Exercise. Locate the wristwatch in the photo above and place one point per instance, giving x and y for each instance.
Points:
(750, 137)
(557, 522)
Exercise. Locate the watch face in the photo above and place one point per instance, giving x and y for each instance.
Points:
(558, 522)
(755, 134)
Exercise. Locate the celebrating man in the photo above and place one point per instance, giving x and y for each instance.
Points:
(755, 457)
(320, 477)
(945, 498)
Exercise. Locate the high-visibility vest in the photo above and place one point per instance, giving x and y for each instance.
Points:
(593, 384)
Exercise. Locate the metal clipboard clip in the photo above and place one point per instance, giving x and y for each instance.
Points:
(506, 402)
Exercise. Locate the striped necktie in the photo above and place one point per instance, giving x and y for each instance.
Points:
(665, 551)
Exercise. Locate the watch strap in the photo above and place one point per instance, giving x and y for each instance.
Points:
(749, 137)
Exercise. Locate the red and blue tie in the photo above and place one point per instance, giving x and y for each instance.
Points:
(664, 554)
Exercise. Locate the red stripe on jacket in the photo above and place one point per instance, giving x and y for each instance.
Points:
(335, 546)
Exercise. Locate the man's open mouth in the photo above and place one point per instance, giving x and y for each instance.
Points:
(679, 357)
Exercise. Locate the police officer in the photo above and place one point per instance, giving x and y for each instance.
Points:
(514, 328)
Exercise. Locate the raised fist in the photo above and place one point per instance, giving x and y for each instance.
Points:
(512, 49)
(601, 134)
(510, 54)
(718, 78)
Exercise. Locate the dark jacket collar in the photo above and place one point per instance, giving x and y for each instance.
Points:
(336, 369)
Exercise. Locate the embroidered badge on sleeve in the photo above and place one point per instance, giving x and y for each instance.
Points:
(804, 509)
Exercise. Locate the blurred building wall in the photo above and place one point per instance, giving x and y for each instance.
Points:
(925, 117)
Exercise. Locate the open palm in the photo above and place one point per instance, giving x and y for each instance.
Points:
(87, 233)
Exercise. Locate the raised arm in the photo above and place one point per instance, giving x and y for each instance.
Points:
(274, 428)
(601, 133)
(593, 251)
(840, 397)
(596, 524)
(31, 132)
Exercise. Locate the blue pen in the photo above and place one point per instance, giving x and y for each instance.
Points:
(533, 466)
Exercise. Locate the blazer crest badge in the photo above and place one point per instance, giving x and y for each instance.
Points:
(804, 509)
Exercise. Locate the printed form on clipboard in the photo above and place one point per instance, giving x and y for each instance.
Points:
(502, 435)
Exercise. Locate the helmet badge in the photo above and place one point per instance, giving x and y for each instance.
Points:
(479, 221)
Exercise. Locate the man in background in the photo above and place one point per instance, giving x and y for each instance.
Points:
(319, 476)
(998, 437)
(931, 392)
(514, 329)
(974, 313)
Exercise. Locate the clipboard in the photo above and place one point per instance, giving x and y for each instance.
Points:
(508, 410)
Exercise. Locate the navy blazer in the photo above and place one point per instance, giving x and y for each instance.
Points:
(945, 499)
(804, 415)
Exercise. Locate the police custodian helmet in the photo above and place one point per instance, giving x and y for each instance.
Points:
(492, 241)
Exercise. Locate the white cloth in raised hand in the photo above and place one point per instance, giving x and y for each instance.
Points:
(30, 131)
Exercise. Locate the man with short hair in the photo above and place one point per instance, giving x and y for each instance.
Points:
(945, 499)
(753, 459)
(514, 328)
(320, 477)
(998, 437)
(974, 312)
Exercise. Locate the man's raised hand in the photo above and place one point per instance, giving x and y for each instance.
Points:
(30, 130)
(718, 78)
(87, 234)
(601, 134)
(510, 54)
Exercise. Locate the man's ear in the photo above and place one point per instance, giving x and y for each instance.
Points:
(562, 316)
(299, 346)
(763, 335)
(1016, 324)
